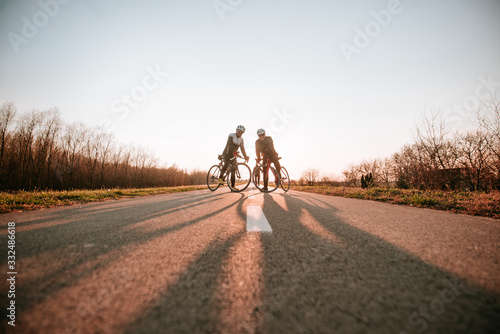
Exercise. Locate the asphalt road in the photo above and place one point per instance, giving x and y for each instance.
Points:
(185, 263)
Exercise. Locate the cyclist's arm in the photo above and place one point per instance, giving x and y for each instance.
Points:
(243, 151)
(257, 149)
(242, 147)
(271, 146)
(230, 147)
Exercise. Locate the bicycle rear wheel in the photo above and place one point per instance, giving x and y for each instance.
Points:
(285, 179)
(259, 179)
(213, 178)
(239, 178)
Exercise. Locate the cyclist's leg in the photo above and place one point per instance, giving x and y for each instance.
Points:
(276, 162)
(266, 172)
(233, 178)
(225, 164)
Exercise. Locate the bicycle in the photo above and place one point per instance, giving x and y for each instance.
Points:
(261, 177)
(238, 174)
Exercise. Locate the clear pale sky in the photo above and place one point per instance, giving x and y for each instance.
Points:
(280, 65)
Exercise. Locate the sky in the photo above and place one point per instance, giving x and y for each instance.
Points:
(333, 82)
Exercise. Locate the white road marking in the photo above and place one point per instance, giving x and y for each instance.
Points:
(256, 221)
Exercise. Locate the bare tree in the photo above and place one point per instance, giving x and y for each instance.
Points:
(433, 138)
(352, 175)
(401, 168)
(410, 167)
(72, 145)
(197, 177)
(25, 137)
(127, 165)
(38, 150)
(475, 154)
(311, 175)
(50, 125)
(326, 179)
(384, 172)
(7, 115)
(148, 163)
(91, 154)
(489, 121)
(116, 159)
(104, 151)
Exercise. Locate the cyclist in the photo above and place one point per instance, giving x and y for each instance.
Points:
(265, 146)
(234, 142)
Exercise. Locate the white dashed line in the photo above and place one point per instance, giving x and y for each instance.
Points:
(256, 221)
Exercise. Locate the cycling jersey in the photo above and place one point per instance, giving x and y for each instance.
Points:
(265, 147)
(233, 144)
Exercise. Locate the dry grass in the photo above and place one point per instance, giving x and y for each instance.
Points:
(471, 203)
(32, 200)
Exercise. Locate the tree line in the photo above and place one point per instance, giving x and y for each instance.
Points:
(440, 158)
(38, 150)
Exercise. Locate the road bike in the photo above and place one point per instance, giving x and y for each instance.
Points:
(238, 175)
(267, 184)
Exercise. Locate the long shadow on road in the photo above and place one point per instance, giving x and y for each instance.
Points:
(188, 306)
(95, 233)
(192, 305)
(323, 275)
(100, 208)
(320, 274)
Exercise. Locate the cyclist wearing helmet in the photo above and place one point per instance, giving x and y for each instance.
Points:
(265, 146)
(234, 142)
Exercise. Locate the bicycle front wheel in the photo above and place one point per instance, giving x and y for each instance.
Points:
(257, 174)
(285, 179)
(213, 178)
(239, 178)
(266, 182)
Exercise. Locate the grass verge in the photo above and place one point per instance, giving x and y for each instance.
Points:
(32, 200)
(465, 202)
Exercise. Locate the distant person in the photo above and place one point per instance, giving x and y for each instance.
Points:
(264, 147)
(234, 143)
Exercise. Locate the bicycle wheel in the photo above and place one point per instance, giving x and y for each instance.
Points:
(256, 175)
(239, 178)
(266, 183)
(285, 179)
(213, 178)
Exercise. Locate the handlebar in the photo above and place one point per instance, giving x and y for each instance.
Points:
(236, 155)
(257, 159)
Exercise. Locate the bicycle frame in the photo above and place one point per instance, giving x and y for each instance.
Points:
(266, 165)
(281, 176)
(238, 175)
(266, 168)
(232, 162)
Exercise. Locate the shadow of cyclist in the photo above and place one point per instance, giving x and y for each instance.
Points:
(324, 275)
